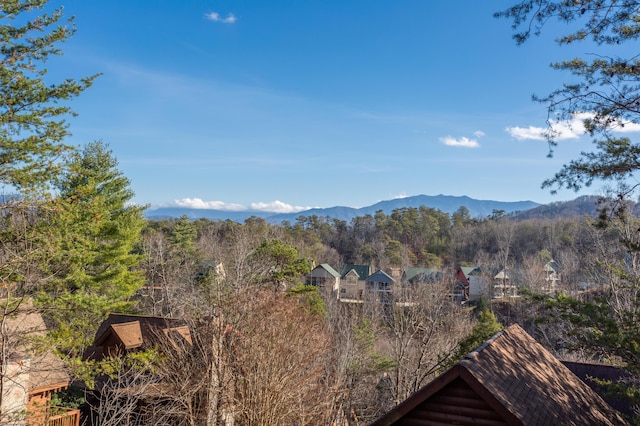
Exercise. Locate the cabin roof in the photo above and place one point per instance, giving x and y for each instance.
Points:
(513, 380)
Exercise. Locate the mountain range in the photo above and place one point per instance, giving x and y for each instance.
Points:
(445, 203)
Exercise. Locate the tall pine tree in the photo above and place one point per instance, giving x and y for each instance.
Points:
(93, 230)
(32, 111)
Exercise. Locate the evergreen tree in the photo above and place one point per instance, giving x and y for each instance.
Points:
(605, 96)
(605, 93)
(184, 234)
(94, 230)
(32, 112)
(281, 263)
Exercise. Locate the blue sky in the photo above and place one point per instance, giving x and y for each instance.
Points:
(285, 105)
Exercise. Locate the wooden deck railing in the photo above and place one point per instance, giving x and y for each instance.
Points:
(64, 417)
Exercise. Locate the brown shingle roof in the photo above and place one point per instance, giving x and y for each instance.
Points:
(517, 380)
(136, 331)
(129, 334)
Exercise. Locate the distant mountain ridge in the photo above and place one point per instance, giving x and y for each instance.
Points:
(445, 203)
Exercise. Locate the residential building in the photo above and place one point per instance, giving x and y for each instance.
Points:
(31, 375)
(352, 282)
(509, 380)
(551, 277)
(502, 285)
(412, 278)
(325, 278)
(470, 284)
(379, 287)
(121, 333)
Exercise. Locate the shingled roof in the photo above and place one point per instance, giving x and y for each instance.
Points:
(509, 380)
(136, 331)
(361, 270)
(317, 271)
(380, 276)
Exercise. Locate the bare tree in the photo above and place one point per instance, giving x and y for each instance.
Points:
(358, 363)
(21, 251)
(117, 399)
(283, 364)
(422, 335)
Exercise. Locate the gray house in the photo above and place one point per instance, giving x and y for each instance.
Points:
(325, 278)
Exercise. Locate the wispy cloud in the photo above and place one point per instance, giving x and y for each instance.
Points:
(277, 207)
(463, 142)
(561, 130)
(566, 129)
(273, 207)
(197, 203)
(216, 17)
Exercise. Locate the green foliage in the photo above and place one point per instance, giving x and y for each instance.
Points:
(606, 92)
(486, 326)
(94, 205)
(461, 217)
(374, 362)
(183, 234)
(604, 96)
(309, 296)
(87, 370)
(545, 255)
(92, 232)
(393, 251)
(606, 330)
(408, 236)
(32, 112)
(72, 397)
(602, 328)
(281, 261)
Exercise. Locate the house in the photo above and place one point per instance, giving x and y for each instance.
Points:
(509, 380)
(325, 278)
(379, 287)
(551, 277)
(121, 333)
(146, 397)
(413, 277)
(420, 275)
(30, 375)
(469, 279)
(502, 286)
(352, 281)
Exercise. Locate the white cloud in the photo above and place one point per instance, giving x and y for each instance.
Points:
(627, 127)
(478, 133)
(277, 207)
(567, 129)
(273, 207)
(462, 142)
(197, 203)
(562, 130)
(215, 17)
(527, 133)
(399, 196)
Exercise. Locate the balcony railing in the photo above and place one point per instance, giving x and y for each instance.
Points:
(63, 417)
